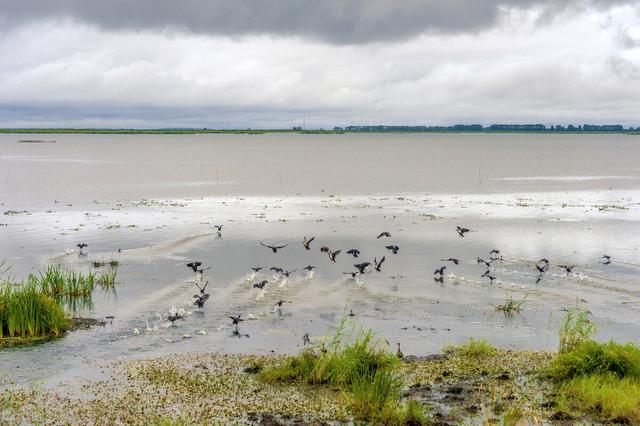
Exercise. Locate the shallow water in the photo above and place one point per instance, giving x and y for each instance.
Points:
(568, 198)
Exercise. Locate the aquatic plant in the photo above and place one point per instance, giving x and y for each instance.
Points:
(511, 306)
(575, 328)
(477, 348)
(26, 312)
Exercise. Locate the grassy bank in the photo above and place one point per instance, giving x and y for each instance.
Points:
(39, 308)
(354, 377)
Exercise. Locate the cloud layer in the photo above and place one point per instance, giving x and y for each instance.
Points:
(80, 65)
(334, 21)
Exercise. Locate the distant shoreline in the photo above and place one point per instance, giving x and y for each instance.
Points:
(62, 131)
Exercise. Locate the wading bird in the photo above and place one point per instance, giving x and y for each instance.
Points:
(399, 353)
(273, 248)
(307, 243)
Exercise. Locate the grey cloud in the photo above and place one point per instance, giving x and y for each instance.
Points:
(333, 21)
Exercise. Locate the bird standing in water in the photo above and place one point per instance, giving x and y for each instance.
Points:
(399, 353)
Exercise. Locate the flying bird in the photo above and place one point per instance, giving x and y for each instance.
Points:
(273, 248)
(384, 234)
(81, 246)
(333, 254)
(461, 231)
(354, 252)
(309, 268)
(202, 288)
(495, 254)
(481, 260)
(277, 270)
(378, 265)
(200, 299)
(174, 317)
(353, 274)
(440, 271)
(325, 249)
(280, 302)
(568, 268)
(306, 243)
(607, 259)
(362, 266)
(394, 249)
(286, 273)
(218, 227)
(452, 259)
(261, 284)
(257, 269)
(194, 265)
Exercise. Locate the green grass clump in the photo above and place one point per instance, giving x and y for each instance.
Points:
(27, 312)
(605, 395)
(364, 369)
(621, 360)
(575, 329)
(477, 348)
(511, 306)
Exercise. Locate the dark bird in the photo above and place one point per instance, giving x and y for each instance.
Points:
(333, 254)
(201, 270)
(280, 302)
(384, 234)
(202, 288)
(461, 231)
(486, 273)
(452, 259)
(306, 340)
(394, 249)
(257, 269)
(354, 252)
(194, 265)
(277, 270)
(261, 284)
(378, 265)
(399, 353)
(440, 271)
(286, 273)
(353, 274)
(273, 248)
(544, 260)
(110, 318)
(542, 269)
(236, 320)
(175, 317)
(81, 246)
(200, 299)
(351, 314)
(306, 243)
(568, 268)
(362, 266)
(325, 249)
(309, 268)
(491, 278)
(607, 259)
(218, 227)
(481, 260)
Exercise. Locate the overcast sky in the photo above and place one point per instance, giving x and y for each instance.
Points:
(268, 64)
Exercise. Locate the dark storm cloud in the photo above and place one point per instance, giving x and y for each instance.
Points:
(334, 21)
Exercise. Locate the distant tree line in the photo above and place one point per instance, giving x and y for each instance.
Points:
(491, 128)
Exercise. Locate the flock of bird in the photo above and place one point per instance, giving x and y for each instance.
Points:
(542, 266)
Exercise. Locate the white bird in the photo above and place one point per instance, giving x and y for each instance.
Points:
(136, 331)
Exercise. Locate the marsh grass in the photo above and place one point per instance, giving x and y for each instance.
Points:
(616, 400)
(589, 358)
(477, 348)
(511, 306)
(363, 369)
(575, 328)
(36, 307)
(26, 312)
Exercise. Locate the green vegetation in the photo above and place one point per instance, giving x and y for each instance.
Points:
(603, 395)
(477, 348)
(593, 378)
(575, 329)
(511, 306)
(363, 369)
(35, 309)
